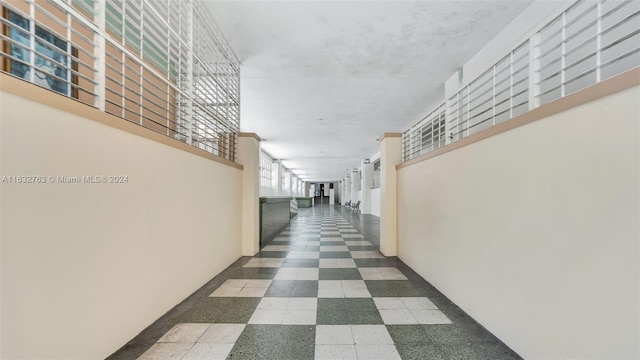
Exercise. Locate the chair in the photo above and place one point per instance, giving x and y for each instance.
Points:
(356, 207)
(348, 203)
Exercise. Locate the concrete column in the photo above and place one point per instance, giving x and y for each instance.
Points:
(367, 183)
(390, 156)
(355, 179)
(332, 193)
(249, 157)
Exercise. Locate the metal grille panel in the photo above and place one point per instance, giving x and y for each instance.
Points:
(588, 42)
(161, 64)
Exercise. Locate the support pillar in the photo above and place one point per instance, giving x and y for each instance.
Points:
(249, 157)
(355, 179)
(367, 183)
(390, 156)
(332, 194)
(347, 188)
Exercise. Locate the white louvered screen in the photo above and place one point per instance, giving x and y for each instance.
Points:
(588, 42)
(161, 64)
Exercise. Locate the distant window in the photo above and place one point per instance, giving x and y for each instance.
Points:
(51, 59)
(265, 173)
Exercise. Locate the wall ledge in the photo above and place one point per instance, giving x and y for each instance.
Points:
(250, 134)
(607, 87)
(13, 85)
(390, 135)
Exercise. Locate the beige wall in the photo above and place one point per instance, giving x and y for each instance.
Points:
(534, 232)
(85, 267)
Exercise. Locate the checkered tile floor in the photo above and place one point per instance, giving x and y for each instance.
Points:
(322, 290)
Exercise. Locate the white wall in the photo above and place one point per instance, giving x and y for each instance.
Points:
(375, 202)
(534, 232)
(268, 191)
(372, 203)
(356, 182)
(347, 189)
(85, 267)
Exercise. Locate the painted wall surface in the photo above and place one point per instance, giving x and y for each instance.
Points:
(347, 189)
(358, 197)
(356, 184)
(375, 202)
(534, 232)
(268, 191)
(86, 267)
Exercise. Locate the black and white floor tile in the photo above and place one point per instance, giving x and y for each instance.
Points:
(320, 290)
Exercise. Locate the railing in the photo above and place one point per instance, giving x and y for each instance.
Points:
(588, 42)
(498, 94)
(425, 135)
(159, 64)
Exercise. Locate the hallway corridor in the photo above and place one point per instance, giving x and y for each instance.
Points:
(320, 290)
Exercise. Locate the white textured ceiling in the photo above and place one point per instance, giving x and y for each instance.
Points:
(322, 80)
